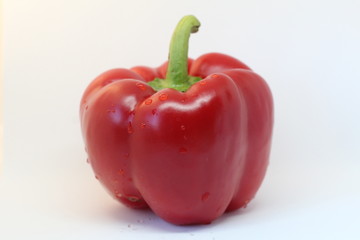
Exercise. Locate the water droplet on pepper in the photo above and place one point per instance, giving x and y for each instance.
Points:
(148, 101)
(203, 82)
(141, 86)
(182, 127)
(163, 97)
(205, 196)
(143, 125)
(133, 198)
(246, 202)
(130, 128)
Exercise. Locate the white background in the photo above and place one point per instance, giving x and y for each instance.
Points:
(308, 51)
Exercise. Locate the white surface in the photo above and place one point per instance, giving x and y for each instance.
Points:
(308, 51)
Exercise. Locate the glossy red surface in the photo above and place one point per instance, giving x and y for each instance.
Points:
(189, 156)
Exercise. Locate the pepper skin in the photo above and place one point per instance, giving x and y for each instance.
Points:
(188, 155)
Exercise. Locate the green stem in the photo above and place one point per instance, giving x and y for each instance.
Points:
(177, 71)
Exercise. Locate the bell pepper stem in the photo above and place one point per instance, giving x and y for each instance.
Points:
(177, 72)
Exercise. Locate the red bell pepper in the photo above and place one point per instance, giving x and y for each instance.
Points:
(189, 139)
